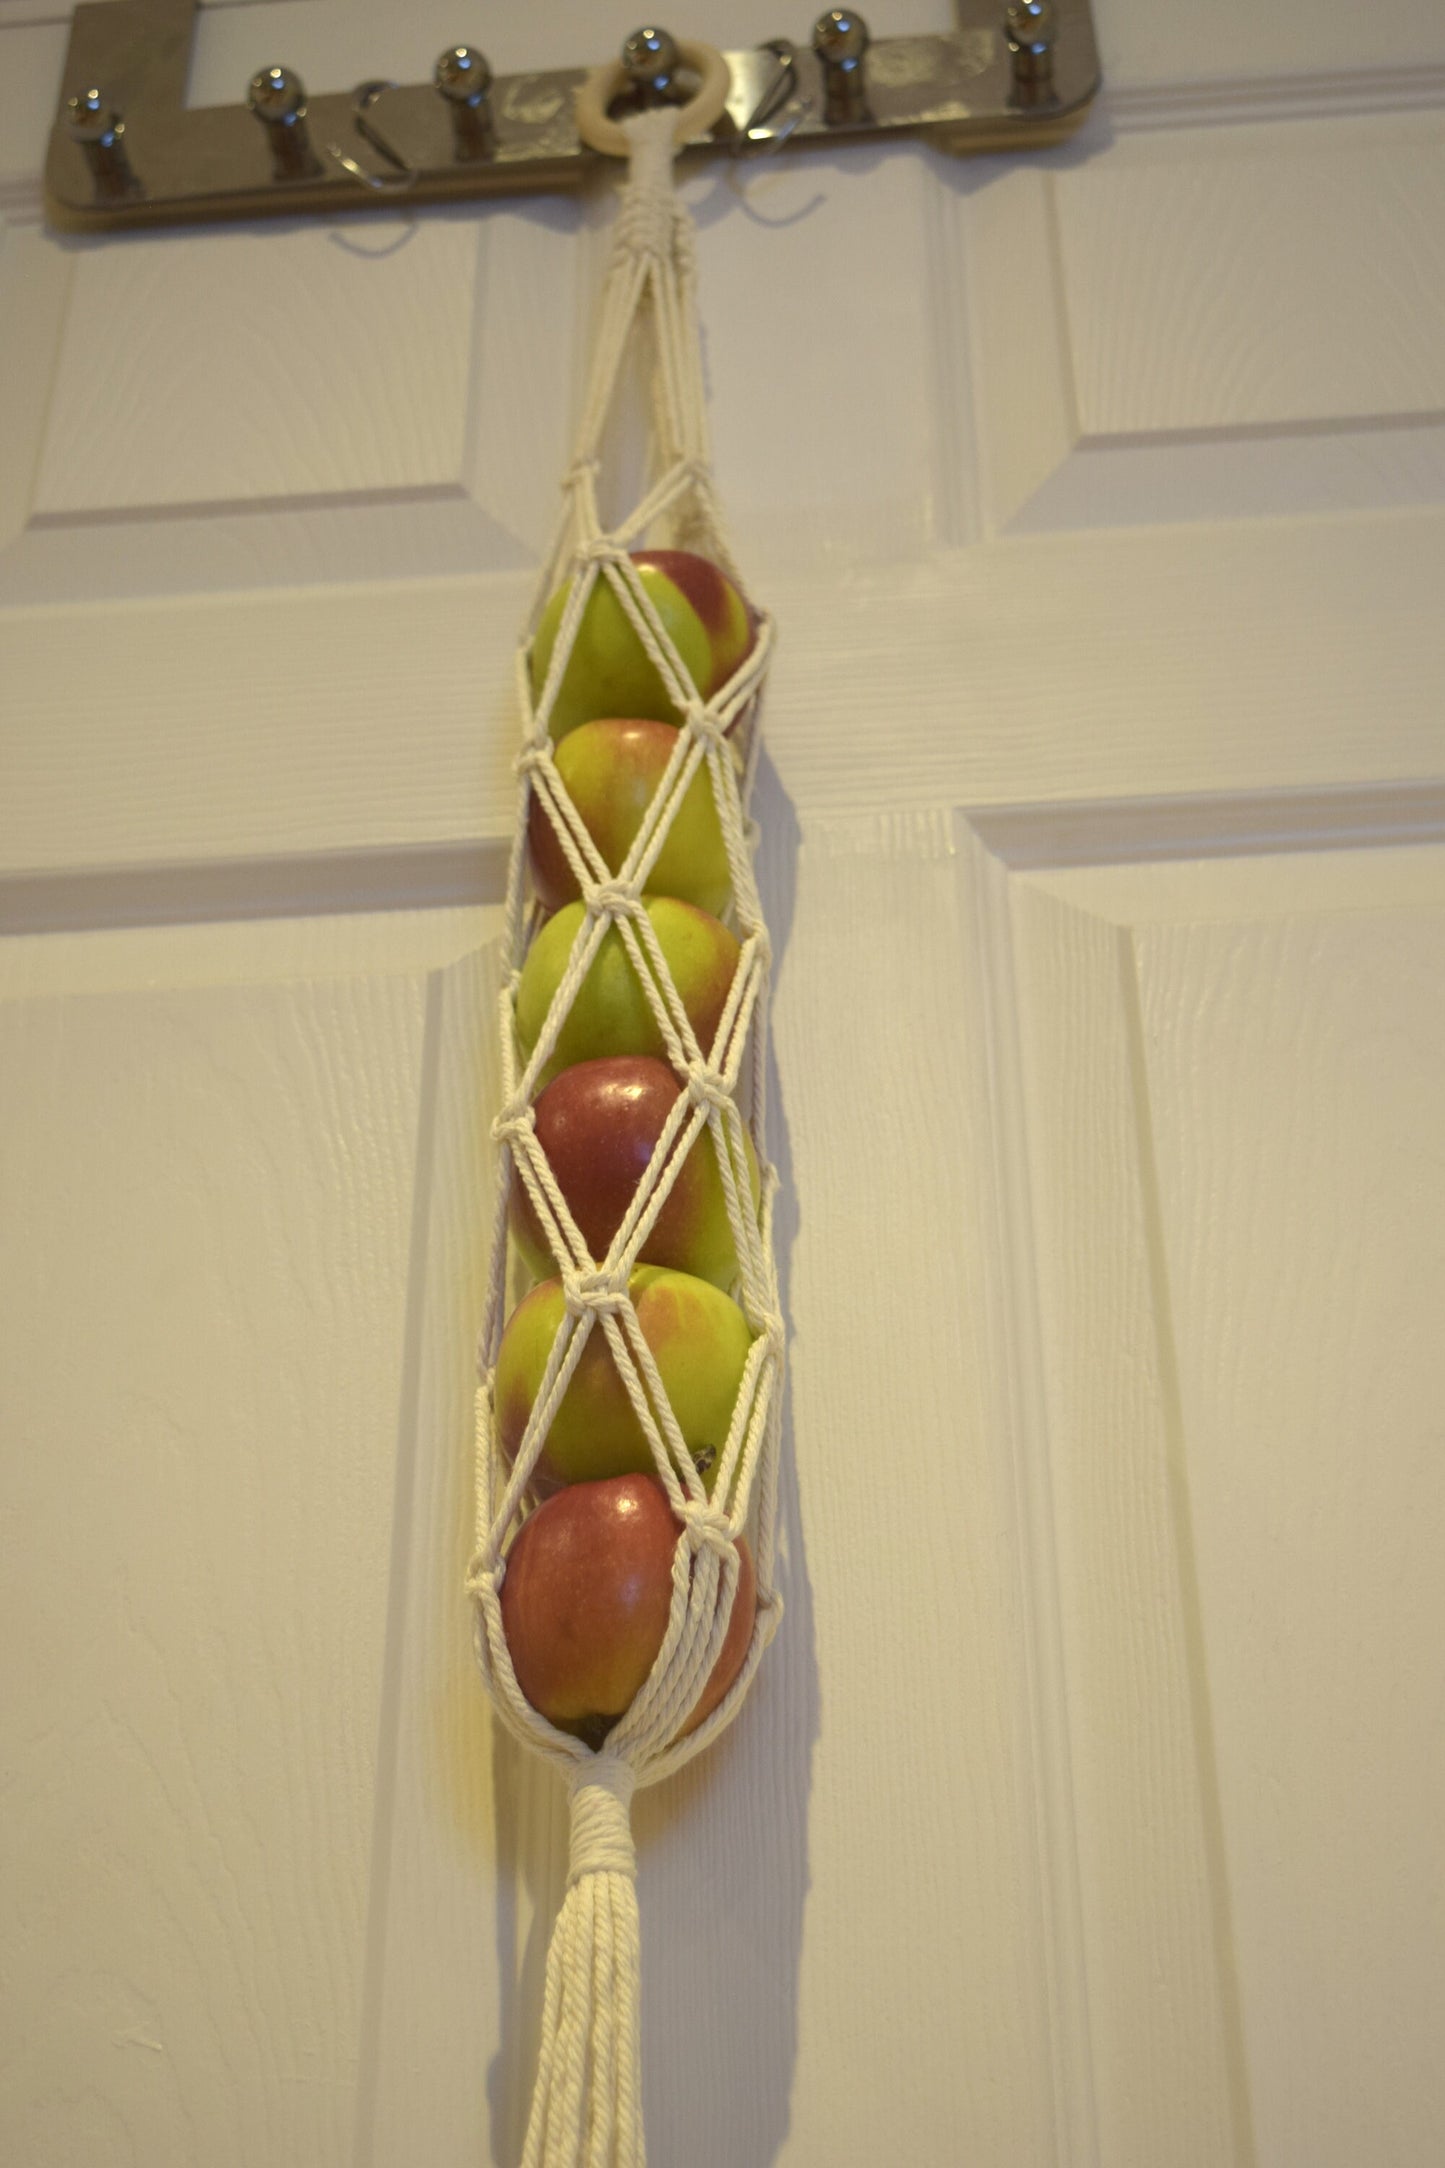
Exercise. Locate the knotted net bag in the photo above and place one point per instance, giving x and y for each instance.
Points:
(586, 2106)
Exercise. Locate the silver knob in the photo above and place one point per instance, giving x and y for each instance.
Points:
(1031, 25)
(841, 40)
(100, 133)
(277, 97)
(649, 61)
(88, 119)
(463, 76)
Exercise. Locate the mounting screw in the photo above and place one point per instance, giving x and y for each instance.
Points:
(463, 77)
(277, 97)
(100, 132)
(841, 41)
(1031, 26)
(649, 61)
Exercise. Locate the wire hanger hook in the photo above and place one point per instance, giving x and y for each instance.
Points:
(363, 98)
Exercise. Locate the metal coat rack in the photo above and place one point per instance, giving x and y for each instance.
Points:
(126, 151)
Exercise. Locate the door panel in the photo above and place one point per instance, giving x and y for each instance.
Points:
(239, 1232)
(1234, 1142)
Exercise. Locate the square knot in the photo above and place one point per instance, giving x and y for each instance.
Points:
(646, 224)
(515, 1127)
(603, 1293)
(534, 756)
(708, 1528)
(601, 1826)
(707, 1087)
(702, 723)
(612, 899)
(767, 1326)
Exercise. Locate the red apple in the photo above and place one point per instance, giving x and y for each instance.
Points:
(699, 1339)
(612, 770)
(611, 1013)
(585, 1604)
(609, 671)
(598, 1123)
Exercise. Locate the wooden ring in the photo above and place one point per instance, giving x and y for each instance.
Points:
(693, 119)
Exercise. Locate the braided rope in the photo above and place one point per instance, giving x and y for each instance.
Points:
(586, 2105)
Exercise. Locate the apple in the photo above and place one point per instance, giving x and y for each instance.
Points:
(612, 769)
(598, 1123)
(585, 1604)
(609, 671)
(611, 1013)
(699, 1340)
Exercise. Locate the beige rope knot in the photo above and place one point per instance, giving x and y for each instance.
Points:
(514, 1126)
(702, 723)
(602, 1788)
(707, 1087)
(581, 470)
(646, 223)
(602, 1292)
(535, 755)
(684, 242)
(613, 899)
(708, 1527)
(483, 1579)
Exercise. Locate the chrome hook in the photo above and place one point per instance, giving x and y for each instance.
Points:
(781, 94)
(363, 98)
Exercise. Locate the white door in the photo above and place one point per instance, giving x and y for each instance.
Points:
(1087, 1811)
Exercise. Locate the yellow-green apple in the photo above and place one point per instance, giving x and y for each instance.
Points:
(612, 769)
(599, 1123)
(610, 1013)
(699, 1340)
(609, 671)
(585, 1604)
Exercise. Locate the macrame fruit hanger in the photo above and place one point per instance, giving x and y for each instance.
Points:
(610, 593)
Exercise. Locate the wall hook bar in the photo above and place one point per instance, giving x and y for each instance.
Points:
(125, 149)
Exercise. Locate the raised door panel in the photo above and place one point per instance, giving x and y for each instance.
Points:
(1226, 1076)
(242, 1250)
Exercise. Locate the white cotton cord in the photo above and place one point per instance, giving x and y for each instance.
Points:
(586, 2107)
(587, 2103)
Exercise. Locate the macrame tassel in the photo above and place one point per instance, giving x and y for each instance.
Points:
(587, 2106)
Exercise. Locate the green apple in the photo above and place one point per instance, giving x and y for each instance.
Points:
(598, 1123)
(609, 671)
(699, 1340)
(612, 769)
(586, 1599)
(611, 1013)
